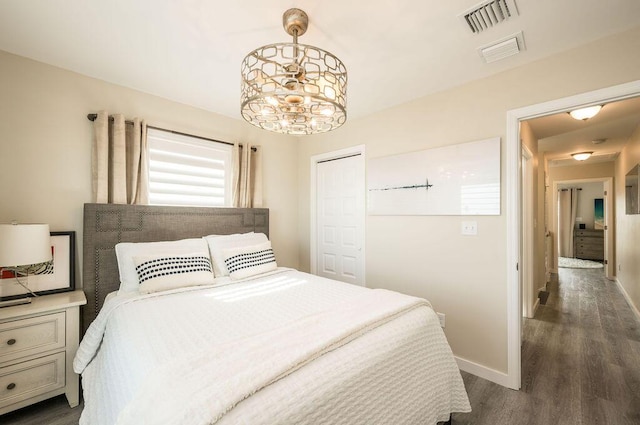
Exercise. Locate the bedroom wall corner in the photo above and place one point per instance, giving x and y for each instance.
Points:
(45, 143)
(464, 277)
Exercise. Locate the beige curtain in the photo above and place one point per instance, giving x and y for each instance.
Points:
(120, 166)
(567, 211)
(247, 176)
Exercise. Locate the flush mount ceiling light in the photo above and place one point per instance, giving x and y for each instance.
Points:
(293, 88)
(581, 156)
(585, 113)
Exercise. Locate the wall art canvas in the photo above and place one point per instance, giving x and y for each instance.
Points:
(461, 179)
(58, 275)
(598, 213)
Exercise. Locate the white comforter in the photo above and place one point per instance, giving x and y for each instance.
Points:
(282, 348)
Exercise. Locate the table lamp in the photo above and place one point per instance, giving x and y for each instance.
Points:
(23, 249)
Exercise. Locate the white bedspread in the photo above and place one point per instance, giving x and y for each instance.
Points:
(278, 349)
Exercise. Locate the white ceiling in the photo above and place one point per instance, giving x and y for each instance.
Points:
(560, 135)
(190, 50)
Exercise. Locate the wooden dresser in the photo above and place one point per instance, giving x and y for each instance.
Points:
(588, 244)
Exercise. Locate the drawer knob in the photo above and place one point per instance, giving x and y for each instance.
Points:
(11, 341)
(11, 386)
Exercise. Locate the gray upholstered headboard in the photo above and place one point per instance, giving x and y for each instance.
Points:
(105, 225)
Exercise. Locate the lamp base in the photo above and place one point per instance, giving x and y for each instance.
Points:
(19, 301)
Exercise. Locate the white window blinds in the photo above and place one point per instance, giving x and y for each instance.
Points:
(187, 170)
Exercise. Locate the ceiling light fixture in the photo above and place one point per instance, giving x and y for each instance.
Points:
(293, 88)
(585, 113)
(581, 156)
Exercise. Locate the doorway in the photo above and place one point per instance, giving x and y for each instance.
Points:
(514, 205)
(600, 228)
(338, 214)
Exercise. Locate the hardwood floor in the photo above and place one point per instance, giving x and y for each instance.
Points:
(580, 361)
(580, 357)
(55, 411)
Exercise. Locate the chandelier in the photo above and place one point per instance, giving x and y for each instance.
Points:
(293, 88)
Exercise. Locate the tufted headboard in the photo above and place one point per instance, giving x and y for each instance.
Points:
(105, 225)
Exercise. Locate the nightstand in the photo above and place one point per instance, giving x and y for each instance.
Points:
(38, 342)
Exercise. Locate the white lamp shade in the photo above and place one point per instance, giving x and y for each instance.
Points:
(24, 244)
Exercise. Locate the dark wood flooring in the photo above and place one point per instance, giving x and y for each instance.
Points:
(580, 365)
(580, 361)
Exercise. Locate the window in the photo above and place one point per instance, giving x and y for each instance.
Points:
(187, 170)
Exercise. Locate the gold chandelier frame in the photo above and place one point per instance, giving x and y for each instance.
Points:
(294, 88)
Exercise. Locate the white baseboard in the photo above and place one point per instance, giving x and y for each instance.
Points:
(535, 307)
(483, 372)
(628, 298)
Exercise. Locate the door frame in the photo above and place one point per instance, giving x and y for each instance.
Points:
(313, 219)
(607, 186)
(513, 203)
(529, 307)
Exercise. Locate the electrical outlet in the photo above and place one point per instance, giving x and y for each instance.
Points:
(469, 228)
(441, 318)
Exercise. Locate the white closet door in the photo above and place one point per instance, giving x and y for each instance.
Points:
(340, 219)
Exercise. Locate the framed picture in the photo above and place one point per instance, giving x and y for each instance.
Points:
(598, 213)
(58, 275)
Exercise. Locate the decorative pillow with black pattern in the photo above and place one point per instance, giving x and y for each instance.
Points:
(250, 260)
(164, 272)
(127, 251)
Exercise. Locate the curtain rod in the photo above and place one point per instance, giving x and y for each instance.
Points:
(92, 117)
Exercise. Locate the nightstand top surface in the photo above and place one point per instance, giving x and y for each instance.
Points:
(45, 303)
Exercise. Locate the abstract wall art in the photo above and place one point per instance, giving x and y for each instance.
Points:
(462, 179)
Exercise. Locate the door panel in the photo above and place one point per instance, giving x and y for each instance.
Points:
(340, 219)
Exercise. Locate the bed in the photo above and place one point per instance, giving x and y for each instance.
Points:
(260, 344)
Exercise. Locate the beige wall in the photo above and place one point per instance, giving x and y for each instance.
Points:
(464, 277)
(45, 146)
(585, 208)
(628, 226)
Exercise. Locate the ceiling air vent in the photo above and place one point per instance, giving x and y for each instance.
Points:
(488, 14)
(503, 48)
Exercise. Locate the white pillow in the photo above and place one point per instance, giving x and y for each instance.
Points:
(164, 272)
(249, 260)
(238, 240)
(125, 251)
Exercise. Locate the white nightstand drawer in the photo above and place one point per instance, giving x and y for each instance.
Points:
(20, 338)
(37, 344)
(32, 378)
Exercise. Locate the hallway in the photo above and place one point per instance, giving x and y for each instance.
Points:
(580, 361)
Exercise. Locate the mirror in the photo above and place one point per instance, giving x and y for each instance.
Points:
(631, 190)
